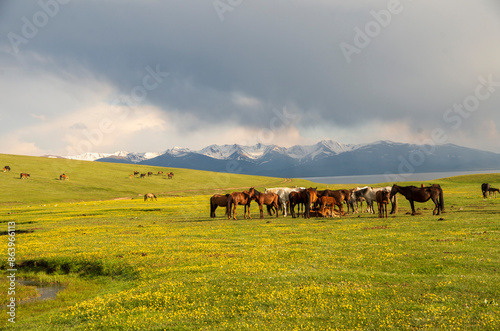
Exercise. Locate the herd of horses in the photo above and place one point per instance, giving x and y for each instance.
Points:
(488, 190)
(170, 175)
(311, 202)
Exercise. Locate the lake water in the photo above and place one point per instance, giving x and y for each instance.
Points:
(383, 178)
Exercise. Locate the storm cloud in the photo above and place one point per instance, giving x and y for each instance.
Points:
(147, 76)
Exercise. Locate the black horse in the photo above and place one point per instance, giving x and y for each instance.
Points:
(421, 194)
(485, 188)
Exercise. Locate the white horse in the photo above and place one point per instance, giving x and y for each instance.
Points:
(369, 193)
(357, 196)
(283, 193)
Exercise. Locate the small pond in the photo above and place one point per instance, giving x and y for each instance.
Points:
(46, 291)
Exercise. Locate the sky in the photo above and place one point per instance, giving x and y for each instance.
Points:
(145, 76)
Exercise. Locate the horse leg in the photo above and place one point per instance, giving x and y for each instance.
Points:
(412, 204)
(261, 208)
(436, 206)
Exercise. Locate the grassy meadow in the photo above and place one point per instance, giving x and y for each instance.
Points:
(130, 264)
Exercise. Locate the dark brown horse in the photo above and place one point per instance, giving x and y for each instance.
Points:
(238, 198)
(493, 191)
(383, 198)
(170, 175)
(485, 188)
(340, 196)
(6, 168)
(268, 199)
(218, 200)
(421, 194)
(301, 197)
(136, 173)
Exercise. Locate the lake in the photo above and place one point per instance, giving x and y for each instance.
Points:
(382, 178)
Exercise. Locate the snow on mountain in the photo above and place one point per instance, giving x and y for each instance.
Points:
(131, 156)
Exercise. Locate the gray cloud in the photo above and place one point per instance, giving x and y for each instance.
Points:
(279, 54)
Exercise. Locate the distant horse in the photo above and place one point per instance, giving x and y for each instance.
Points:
(284, 193)
(136, 173)
(268, 199)
(63, 177)
(369, 193)
(301, 197)
(421, 194)
(160, 172)
(238, 198)
(170, 175)
(382, 197)
(6, 168)
(218, 200)
(150, 173)
(493, 191)
(143, 176)
(24, 175)
(150, 196)
(485, 188)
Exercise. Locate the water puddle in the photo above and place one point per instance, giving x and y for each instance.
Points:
(45, 291)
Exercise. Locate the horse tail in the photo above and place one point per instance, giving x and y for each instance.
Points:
(212, 211)
(394, 201)
(441, 199)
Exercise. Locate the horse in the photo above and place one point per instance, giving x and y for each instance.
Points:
(329, 203)
(6, 168)
(150, 196)
(150, 173)
(143, 176)
(356, 197)
(382, 197)
(421, 194)
(283, 193)
(493, 191)
(218, 200)
(238, 198)
(63, 177)
(339, 195)
(170, 175)
(160, 173)
(136, 173)
(485, 188)
(24, 175)
(301, 197)
(369, 193)
(268, 199)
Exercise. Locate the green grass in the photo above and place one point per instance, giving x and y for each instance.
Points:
(130, 264)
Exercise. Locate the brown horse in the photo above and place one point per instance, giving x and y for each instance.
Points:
(268, 199)
(143, 176)
(493, 191)
(485, 188)
(383, 198)
(301, 197)
(170, 175)
(6, 168)
(136, 173)
(328, 203)
(24, 175)
(238, 198)
(421, 194)
(150, 196)
(340, 196)
(160, 172)
(63, 177)
(218, 200)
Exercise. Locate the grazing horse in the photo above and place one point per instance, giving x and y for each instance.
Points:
(24, 175)
(493, 191)
(150, 173)
(63, 177)
(136, 173)
(238, 198)
(6, 168)
(421, 194)
(268, 199)
(382, 197)
(283, 193)
(150, 196)
(485, 188)
(143, 176)
(340, 196)
(301, 197)
(218, 200)
(170, 175)
(369, 193)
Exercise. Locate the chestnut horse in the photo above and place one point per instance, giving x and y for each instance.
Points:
(238, 198)
(218, 200)
(382, 197)
(328, 203)
(340, 196)
(63, 177)
(24, 175)
(301, 197)
(268, 199)
(421, 194)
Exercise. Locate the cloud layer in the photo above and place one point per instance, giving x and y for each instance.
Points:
(147, 77)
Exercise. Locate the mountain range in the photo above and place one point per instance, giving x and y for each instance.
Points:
(325, 158)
